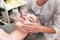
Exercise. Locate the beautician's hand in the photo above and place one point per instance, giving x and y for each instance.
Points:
(32, 27)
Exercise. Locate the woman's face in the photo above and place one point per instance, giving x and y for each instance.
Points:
(41, 2)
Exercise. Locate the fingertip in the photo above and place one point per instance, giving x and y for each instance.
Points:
(38, 19)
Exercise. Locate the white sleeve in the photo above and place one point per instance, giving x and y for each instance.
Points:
(56, 20)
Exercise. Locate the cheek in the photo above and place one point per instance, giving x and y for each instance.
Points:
(19, 24)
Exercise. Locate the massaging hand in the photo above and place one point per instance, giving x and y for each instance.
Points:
(32, 27)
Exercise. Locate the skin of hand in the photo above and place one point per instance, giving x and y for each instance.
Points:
(37, 27)
(32, 27)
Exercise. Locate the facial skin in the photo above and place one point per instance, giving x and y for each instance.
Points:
(41, 2)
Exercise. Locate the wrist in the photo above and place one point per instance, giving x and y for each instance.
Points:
(41, 29)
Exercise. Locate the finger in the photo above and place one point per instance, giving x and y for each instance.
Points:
(27, 26)
(21, 14)
(27, 29)
(31, 24)
(38, 21)
(20, 19)
(24, 16)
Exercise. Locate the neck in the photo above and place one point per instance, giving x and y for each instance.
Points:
(41, 2)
